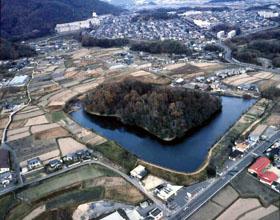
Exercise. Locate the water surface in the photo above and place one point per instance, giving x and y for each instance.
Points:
(186, 155)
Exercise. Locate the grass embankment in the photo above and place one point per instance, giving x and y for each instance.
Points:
(219, 153)
(117, 154)
(175, 177)
(65, 192)
(221, 150)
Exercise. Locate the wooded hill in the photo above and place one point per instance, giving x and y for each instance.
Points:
(21, 19)
(164, 111)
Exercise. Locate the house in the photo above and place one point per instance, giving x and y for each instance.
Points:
(236, 154)
(19, 81)
(260, 164)
(268, 177)
(242, 147)
(256, 134)
(156, 214)
(4, 161)
(139, 172)
(34, 164)
(165, 192)
(114, 216)
(266, 173)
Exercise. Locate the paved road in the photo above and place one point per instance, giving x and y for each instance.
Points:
(232, 172)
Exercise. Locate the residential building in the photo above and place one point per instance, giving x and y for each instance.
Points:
(78, 25)
(221, 34)
(156, 214)
(139, 172)
(114, 216)
(235, 155)
(34, 163)
(265, 172)
(165, 192)
(260, 164)
(231, 34)
(242, 147)
(268, 177)
(256, 134)
(19, 81)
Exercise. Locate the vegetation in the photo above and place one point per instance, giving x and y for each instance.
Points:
(157, 47)
(226, 27)
(260, 45)
(7, 202)
(271, 93)
(34, 18)
(175, 177)
(57, 116)
(88, 41)
(11, 51)
(159, 14)
(58, 183)
(166, 112)
(80, 196)
(117, 154)
(61, 203)
(249, 186)
(213, 48)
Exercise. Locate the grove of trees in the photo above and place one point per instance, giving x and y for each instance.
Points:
(164, 111)
(10, 50)
(157, 47)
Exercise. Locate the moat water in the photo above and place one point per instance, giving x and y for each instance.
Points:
(185, 155)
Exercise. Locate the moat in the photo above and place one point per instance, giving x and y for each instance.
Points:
(186, 155)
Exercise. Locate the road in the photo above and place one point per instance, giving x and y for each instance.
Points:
(134, 182)
(222, 181)
(228, 52)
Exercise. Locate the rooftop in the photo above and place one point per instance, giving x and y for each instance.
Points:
(260, 164)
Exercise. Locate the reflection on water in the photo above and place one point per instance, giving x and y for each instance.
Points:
(183, 155)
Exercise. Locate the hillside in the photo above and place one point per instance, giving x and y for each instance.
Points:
(9, 50)
(165, 112)
(255, 47)
(33, 18)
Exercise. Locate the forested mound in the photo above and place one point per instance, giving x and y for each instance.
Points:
(164, 111)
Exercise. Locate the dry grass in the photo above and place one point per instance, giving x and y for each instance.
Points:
(3, 122)
(226, 196)
(17, 124)
(69, 146)
(17, 131)
(18, 136)
(274, 119)
(238, 208)
(241, 79)
(28, 115)
(45, 127)
(37, 120)
(209, 211)
(51, 134)
(140, 73)
(35, 213)
(150, 182)
(259, 213)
